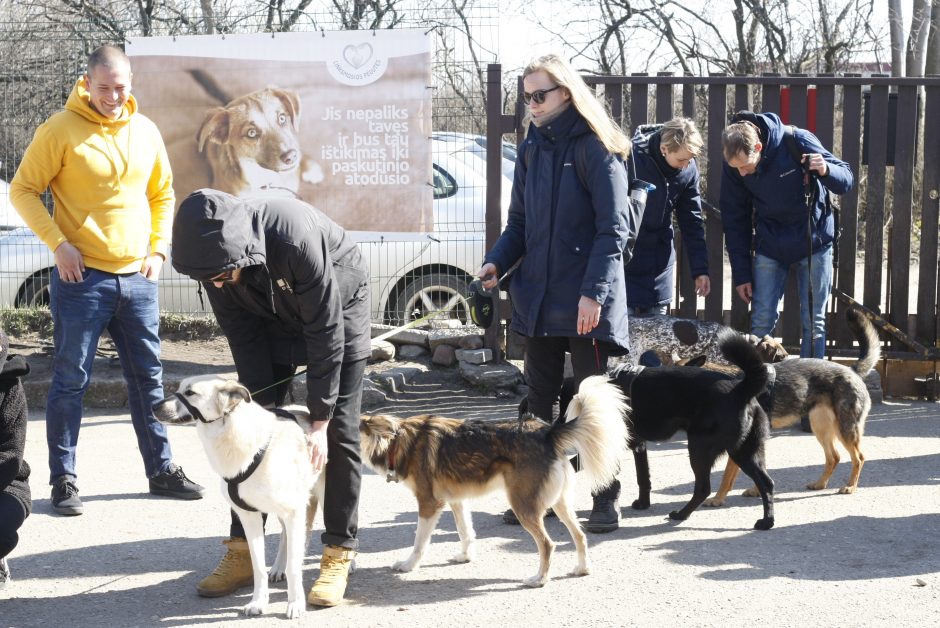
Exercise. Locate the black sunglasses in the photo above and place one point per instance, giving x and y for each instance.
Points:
(538, 95)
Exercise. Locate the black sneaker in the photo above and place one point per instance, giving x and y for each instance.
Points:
(65, 499)
(4, 572)
(605, 515)
(174, 483)
(509, 517)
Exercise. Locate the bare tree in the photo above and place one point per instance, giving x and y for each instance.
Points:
(932, 65)
(917, 38)
(896, 24)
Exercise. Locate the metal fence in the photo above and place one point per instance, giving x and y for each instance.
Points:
(42, 59)
(888, 255)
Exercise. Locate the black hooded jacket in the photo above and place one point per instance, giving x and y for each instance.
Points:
(14, 472)
(303, 295)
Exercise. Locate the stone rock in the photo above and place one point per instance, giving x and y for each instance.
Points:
(382, 351)
(475, 356)
(372, 395)
(470, 342)
(404, 337)
(491, 376)
(444, 355)
(393, 379)
(411, 351)
(437, 337)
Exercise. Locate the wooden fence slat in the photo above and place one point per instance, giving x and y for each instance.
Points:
(825, 114)
(928, 312)
(877, 141)
(639, 103)
(848, 207)
(714, 234)
(664, 100)
(688, 303)
(899, 268)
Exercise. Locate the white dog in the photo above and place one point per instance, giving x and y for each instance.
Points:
(264, 462)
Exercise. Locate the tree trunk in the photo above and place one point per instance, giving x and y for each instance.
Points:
(932, 65)
(917, 38)
(896, 22)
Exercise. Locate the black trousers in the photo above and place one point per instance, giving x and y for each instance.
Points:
(545, 368)
(12, 516)
(343, 469)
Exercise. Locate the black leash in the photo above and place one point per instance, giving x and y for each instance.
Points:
(809, 191)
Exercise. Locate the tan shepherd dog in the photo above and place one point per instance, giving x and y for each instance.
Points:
(446, 461)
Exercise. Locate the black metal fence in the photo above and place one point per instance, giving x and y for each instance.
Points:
(888, 255)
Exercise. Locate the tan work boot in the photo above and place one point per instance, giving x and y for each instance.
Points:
(330, 587)
(234, 571)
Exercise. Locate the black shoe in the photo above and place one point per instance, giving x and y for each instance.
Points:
(605, 515)
(174, 483)
(65, 500)
(509, 517)
(4, 572)
(804, 424)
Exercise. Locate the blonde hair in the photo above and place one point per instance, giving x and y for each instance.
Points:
(740, 137)
(561, 73)
(681, 133)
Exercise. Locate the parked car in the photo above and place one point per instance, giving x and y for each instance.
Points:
(412, 275)
(9, 218)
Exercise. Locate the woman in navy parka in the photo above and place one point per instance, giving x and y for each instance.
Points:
(664, 155)
(573, 226)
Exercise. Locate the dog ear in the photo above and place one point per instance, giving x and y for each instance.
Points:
(291, 102)
(230, 395)
(214, 127)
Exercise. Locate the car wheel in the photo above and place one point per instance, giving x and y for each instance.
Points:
(35, 290)
(425, 294)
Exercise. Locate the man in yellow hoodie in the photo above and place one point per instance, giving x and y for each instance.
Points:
(110, 178)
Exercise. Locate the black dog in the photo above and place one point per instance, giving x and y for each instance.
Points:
(717, 411)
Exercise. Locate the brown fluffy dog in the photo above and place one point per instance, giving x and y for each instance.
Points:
(446, 461)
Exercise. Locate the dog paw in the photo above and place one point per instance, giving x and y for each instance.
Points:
(582, 570)
(296, 609)
(751, 492)
(764, 524)
(253, 608)
(713, 502)
(276, 575)
(640, 504)
(675, 515)
(405, 566)
(535, 581)
(462, 557)
(816, 486)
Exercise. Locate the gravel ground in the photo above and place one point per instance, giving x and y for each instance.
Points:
(869, 559)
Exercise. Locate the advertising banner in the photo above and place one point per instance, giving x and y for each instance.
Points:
(341, 120)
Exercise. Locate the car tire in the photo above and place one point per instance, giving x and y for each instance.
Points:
(35, 291)
(426, 293)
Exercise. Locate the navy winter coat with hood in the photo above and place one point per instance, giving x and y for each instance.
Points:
(303, 295)
(650, 272)
(572, 239)
(773, 198)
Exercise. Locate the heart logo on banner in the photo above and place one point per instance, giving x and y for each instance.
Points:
(357, 56)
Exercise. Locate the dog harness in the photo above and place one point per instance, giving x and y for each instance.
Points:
(255, 462)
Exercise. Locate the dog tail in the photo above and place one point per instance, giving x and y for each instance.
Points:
(869, 344)
(595, 427)
(738, 350)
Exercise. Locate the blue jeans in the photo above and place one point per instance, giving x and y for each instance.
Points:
(125, 305)
(770, 277)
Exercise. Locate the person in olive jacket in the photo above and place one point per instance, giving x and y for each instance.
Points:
(289, 288)
(664, 155)
(15, 502)
(572, 225)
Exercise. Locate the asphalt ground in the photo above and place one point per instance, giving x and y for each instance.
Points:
(868, 559)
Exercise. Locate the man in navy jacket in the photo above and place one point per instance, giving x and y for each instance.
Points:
(764, 209)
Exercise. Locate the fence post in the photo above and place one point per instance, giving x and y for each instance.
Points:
(497, 124)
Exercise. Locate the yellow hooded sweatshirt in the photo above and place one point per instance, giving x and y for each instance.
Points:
(110, 180)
